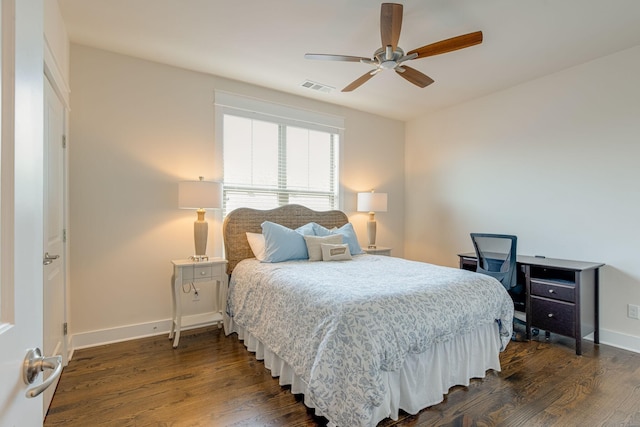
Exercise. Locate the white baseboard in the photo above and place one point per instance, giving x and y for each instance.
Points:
(121, 333)
(131, 332)
(617, 339)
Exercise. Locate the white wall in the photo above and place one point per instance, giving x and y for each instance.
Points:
(554, 161)
(137, 128)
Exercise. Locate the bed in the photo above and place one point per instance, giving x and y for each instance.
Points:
(360, 338)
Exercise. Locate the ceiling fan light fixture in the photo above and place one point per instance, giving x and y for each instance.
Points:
(388, 65)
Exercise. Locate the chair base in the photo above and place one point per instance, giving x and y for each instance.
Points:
(519, 330)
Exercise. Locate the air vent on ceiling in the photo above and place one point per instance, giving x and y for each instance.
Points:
(317, 86)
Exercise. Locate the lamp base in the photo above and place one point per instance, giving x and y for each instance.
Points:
(371, 231)
(200, 232)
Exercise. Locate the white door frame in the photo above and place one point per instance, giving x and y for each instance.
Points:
(55, 76)
(54, 246)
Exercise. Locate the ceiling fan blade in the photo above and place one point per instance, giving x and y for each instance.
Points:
(359, 81)
(448, 45)
(390, 24)
(414, 76)
(328, 57)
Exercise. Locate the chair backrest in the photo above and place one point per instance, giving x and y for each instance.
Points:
(496, 255)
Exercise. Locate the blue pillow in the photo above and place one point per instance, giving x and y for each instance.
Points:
(283, 243)
(307, 229)
(319, 230)
(348, 236)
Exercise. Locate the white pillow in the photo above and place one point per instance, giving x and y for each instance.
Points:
(314, 242)
(335, 252)
(256, 242)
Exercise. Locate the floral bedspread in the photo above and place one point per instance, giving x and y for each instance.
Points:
(340, 324)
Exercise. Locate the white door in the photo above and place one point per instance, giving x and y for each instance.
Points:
(54, 247)
(21, 207)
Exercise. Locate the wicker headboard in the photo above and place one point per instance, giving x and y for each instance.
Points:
(239, 221)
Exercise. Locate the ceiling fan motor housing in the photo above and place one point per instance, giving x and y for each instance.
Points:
(386, 61)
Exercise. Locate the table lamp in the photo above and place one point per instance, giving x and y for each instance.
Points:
(200, 195)
(372, 202)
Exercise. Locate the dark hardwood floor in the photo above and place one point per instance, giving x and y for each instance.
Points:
(212, 380)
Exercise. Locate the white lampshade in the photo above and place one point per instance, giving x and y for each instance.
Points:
(372, 202)
(199, 195)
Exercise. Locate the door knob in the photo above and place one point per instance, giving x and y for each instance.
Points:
(33, 364)
(48, 259)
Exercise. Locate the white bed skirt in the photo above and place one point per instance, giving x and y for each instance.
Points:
(423, 380)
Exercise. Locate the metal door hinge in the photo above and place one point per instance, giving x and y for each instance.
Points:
(64, 141)
(64, 235)
(65, 329)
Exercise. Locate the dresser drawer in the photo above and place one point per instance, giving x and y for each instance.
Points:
(553, 290)
(553, 316)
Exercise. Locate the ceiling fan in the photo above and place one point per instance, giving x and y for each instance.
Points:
(391, 57)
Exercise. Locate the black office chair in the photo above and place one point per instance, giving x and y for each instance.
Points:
(496, 254)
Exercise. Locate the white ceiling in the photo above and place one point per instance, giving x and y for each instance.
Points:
(263, 42)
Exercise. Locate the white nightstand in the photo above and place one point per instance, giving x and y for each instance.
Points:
(189, 271)
(378, 250)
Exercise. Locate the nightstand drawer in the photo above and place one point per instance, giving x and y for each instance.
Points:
(551, 290)
(201, 272)
(553, 316)
(191, 273)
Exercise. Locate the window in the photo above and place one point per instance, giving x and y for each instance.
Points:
(270, 160)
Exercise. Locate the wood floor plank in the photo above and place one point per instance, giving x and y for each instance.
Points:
(212, 380)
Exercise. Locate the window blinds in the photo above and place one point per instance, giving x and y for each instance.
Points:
(275, 155)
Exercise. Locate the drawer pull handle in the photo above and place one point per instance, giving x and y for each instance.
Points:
(550, 315)
(202, 273)
(551, 291)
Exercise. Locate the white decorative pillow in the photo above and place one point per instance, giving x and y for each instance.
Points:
(256, 242)
(335, 252)
(314, 242)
